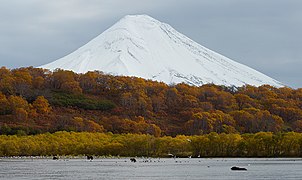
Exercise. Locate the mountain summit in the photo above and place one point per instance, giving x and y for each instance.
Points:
(141, 46)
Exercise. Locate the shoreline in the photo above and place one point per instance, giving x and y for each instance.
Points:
(119, 157)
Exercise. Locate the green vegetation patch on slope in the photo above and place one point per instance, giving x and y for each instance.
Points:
(81, 101)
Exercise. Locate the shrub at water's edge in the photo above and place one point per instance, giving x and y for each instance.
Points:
(262, 144)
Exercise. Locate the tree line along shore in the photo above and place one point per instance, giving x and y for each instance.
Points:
(261, 144)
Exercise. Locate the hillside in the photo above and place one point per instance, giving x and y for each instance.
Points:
(34, 100)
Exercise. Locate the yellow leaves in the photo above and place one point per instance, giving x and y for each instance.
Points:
(263, 144)
(71, 87)
(21, 114)
(174, 109)
(88, 82)
(190, 101)
(140, 119)
(297, 126)
(155, 130)
(81, 124)
(6, 84)
(66, 81)
(243, 101)
(92, 126)
(127, 100)
(205, 122)
(22, 76)
(17, 102)
(21, 109)
(9, 148)
(78, 121)
(41, 105)
(138, 125)
(4, 105)
(38, 82)
(200, 115)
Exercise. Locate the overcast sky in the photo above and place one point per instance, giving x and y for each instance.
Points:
(263, 34)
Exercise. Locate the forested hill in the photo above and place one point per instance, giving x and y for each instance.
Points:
(34, 100)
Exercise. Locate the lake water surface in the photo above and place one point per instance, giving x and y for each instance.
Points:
(164, 168)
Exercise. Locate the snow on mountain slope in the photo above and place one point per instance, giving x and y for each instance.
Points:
(141, 46)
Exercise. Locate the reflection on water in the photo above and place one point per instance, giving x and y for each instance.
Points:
(216, 168)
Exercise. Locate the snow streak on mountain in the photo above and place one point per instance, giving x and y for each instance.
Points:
(141, 46)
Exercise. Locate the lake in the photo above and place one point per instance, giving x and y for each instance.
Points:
(163, 168)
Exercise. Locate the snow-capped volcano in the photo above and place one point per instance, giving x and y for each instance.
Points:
(138, 45)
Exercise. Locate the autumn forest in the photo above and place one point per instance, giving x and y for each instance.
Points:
(34, 101)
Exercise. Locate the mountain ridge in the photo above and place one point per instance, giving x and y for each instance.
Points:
(141, 46)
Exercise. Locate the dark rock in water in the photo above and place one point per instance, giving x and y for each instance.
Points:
(90, 157)
(55, 158)
(235, 168)
(133, 160)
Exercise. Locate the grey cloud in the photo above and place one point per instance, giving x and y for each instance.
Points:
(264, 35)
